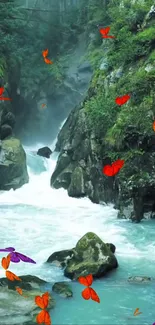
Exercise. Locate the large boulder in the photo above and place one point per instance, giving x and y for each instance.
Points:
(44, 152)
(20, 310)
(91, 255)
(13, 169)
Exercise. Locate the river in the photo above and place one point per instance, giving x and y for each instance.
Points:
(38, 220)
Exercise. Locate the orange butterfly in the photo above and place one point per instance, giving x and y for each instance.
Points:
(136, 312)
(5, 262)
(42, 302)
(20, 291)
(88, 292)
(48, 61)
(44, 317)
(11, 276)
(45, 53)
(1, 93)
(153, 125)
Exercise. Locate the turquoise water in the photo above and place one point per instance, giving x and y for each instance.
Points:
(38, 221)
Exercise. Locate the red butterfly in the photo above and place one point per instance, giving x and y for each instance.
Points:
(113, 169)
(104, 32)
(1, 93)
(88, 292)
(122, 100)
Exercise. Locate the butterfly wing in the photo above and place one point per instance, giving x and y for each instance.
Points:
(14, 257)
(5, 98)
(19, 290)
(40, 317)
(48, 61)
(45, 53)
(43, 318)
(45, 298)
(39, 302)
(119, 163)
(153, 125)
(1, 90)
(107, 170)
(47, 319)
(94, 295)
(8, 249)
(25, 258)
(104, 31)
(86, 293)
(5, 262)
(107, 30)
(11, 276)
(86, 280)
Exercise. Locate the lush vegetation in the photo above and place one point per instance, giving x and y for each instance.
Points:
(127, 57)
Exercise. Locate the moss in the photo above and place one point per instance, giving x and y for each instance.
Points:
(14, 151)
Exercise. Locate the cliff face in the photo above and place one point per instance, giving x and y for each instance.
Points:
(98, 131)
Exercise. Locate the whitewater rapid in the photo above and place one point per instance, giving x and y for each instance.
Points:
(38, 220)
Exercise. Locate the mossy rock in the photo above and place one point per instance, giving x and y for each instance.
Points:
(63, 289)
(16, 309)
(60, 258)
(76, 188)
(91, 255)
(13, 169)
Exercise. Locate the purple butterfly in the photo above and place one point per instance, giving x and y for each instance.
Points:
(16, 257)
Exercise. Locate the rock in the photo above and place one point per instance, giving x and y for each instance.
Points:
(63, 179)
(15, 309)
(76, 187)
(139, 279)
(44, 152)
(91, 255)
(112, 247)
(63, 289)
(61, 258)
(5, 131)
(9, 119)
(62, 163)
(13, 169)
